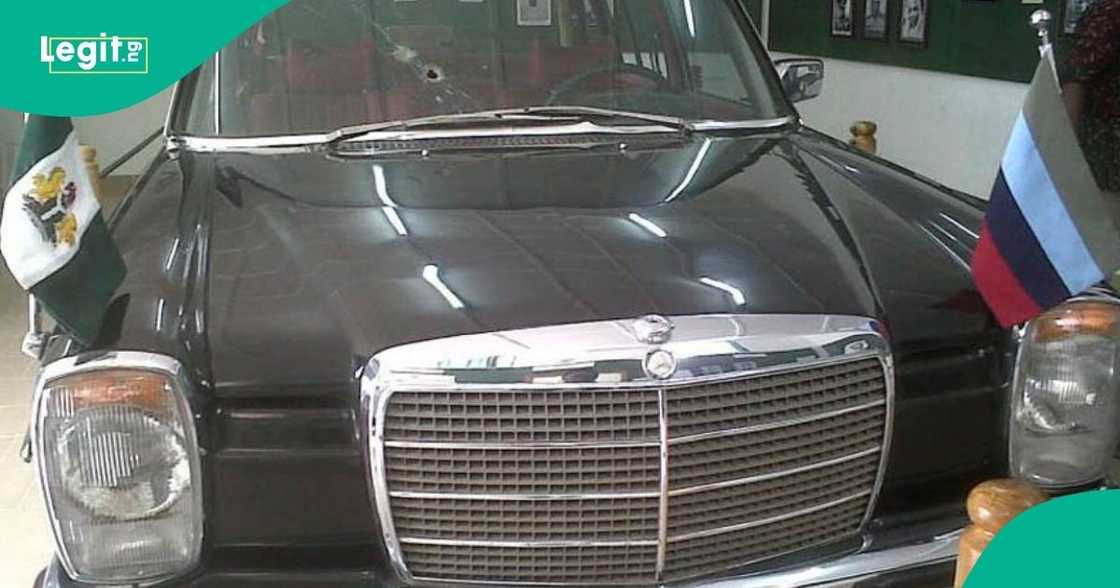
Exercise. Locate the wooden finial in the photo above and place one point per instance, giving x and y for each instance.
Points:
(991, 506)
(89, 158)
(863, 136)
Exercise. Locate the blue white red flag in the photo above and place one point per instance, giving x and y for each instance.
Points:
(1050, 233)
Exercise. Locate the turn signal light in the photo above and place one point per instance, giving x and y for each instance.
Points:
(1081, 318)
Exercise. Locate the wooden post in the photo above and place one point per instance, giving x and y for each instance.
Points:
(991, 506)
(564, 14)
(89, 157)
(863, 136)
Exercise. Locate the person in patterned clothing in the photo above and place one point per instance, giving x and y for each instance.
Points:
(1092, 89)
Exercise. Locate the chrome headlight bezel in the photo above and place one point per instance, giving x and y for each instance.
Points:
(1019, 406)
(180, 390)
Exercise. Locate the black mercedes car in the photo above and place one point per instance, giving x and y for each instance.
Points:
(541, 292)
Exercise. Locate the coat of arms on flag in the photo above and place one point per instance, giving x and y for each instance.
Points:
(1049, 233)
(49, 203)
(52, 236)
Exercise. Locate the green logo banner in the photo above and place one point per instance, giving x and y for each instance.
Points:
(71, 58)
(1069, 541)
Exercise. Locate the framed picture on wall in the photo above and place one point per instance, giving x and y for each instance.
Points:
(1072, 10)
(913, 26)
(840, 15)
(534, 13)
(876, 15)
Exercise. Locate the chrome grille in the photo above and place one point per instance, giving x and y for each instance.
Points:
(617, 519)
(631, 484)
(777, 399)
(530, 416)
(695, 512)
(725, 551)
(744, 455)
(578, 566)
(595, 470)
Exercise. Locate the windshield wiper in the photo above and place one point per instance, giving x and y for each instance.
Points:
(605, 114)
(585, 119)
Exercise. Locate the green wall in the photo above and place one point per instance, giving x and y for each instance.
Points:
(754, 8)
(987, 38)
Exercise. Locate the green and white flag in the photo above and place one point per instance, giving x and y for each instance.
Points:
(52, 235)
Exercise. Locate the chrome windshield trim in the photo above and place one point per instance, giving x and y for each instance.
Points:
(314, 142)
(744, 125)
(172, 108)
(610, 355)
(580, 128)
(777, 425)
(218, 93)
(270, 145)
(764, 477)
(769, 520)
(543, 114)
(301, 143)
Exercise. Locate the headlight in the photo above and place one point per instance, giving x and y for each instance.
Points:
(118, 463)
(1065, 410)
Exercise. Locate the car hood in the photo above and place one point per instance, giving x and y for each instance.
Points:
(289, 270)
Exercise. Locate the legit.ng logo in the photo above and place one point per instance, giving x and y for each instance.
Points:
(94, 55)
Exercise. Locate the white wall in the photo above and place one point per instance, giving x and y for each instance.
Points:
(11, 126)
(111, 134)
(115, 133)
(948, 127)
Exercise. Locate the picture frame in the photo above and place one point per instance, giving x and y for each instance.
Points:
(534, 13)
(841, 18)
(913, 22)
(875, 19)
(1072, 11)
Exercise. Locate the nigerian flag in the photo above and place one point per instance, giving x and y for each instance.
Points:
(51, 232)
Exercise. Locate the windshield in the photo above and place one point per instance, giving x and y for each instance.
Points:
(314, 66)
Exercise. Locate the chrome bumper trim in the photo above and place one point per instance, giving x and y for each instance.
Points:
(845, 572)
(848, 571)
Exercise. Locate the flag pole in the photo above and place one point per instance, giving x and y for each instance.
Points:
(34, 340)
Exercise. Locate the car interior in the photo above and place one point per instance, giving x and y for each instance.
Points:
(609, 53)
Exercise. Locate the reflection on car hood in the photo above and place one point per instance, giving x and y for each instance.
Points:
(287, 270)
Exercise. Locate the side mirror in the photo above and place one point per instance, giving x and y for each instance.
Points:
(802, 79)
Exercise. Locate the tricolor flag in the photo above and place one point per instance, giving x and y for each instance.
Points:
(52, 235)
(1049, 233)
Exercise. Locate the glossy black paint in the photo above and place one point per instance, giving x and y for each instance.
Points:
(273, 278)
(297, 249)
